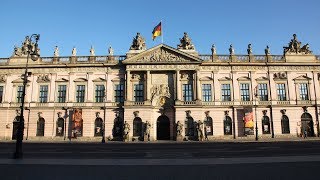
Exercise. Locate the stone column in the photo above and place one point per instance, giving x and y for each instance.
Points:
(90, 88)
(128, 87)
(178, 85)
(198, 85)
(148, 86)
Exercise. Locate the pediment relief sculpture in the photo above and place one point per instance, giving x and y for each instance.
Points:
(294, 47)
(302, 78)
(137, 77)
(138, 43)
(225, 79)
(262, 79)
(43, 78)
(80, 80)
(186, 76)
(185, 42)
(206, 78)
(159, 94)
(162, 55)
(99, 80)
(243, 78)
(62, 80)
(20, 80)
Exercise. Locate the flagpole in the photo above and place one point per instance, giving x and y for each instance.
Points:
(161, 32)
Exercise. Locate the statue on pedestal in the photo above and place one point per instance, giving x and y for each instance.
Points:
(110, 51)
(213, 50)
(267, 51)
(185, 42)
(249, 50)
(126, 130)
(231, 50)
(200, 130)
(179, 127)
(56, 52)
(92, 52)
(138, 43)
(74, 51)
(294, 47)
(147, 130)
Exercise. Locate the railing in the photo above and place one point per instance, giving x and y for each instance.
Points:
(64, 59)
(264, 102)
(42, 104)
(205, 57)
(260, 58)
(60, 104)
(46, 59)
(4, 60)
(207, 103)
(226, 103)
(242, 58)
(79, 104)
(246, 103)
(224, 57)
(283, 102)
(101, 58)
(82, 58)
(189, 102)
(304, 102)
(277, 58)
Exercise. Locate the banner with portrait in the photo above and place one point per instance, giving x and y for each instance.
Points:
(248, 123)
(77, 123)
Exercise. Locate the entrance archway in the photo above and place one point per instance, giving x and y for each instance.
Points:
(307, 124)
(16, 122)
(163, 128)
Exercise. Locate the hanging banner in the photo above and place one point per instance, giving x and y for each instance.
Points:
(248, 123)
(77, 123)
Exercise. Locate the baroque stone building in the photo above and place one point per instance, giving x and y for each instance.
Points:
(144, 94)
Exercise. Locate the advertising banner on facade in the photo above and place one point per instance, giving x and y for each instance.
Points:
(248, 123)
(77, 123)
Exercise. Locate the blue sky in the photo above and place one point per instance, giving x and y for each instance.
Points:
(68, 23)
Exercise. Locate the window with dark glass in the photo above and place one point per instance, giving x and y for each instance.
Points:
(43, 95)
(119, 93)
(206, 92)
(226, 92)
(281, 91)
(244, 92)
(62, 93)
(80, 93)
(19, 94)
(40, 127)
(265, 125)
(1, 93)
(187, 92)
(263, 92)
(99, 93)
(138, 93)
(227, 125)
(303, 89)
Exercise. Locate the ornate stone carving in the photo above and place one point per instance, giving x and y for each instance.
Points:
(186, 76)
(179, 128)
(267, 51)
(159, 93)
(185, 43)
(43, 78)
(162, 55)
(74, 51)
(138, 43)
(213, 50)
(25, 47)
(231, 49)
(110, 51)
(92, 52)
(138, 77)
(280, 75)
(3, 78)
(294, 47)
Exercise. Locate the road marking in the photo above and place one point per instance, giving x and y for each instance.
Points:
(155, 162)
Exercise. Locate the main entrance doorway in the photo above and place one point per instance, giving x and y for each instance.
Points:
(307, 124)
(163, 128)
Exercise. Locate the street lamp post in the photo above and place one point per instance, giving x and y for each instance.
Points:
(28, 122)
(255, 111)
(104, 122)
(32, 50)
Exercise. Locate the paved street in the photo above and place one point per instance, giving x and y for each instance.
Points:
(163, 160)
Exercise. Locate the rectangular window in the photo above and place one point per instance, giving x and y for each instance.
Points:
(263, 92)
(303, 89)
(138, 93)
(118, 93)
(206, 92)
(1, 93)
(43, 94)
(62, 93)
(19, 94)
(100, 92)
(187, 92)
(80, 93)
(225, 92)
(281, 91)
(244, 92)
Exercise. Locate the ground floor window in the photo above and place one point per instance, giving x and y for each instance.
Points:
(227, 122)
(208, 129)
(137, 126)
(98, 129)
(40, 127)
(285, 124)
(60, 127)
(265, 125)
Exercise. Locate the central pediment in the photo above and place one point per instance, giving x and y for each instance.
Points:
(162, 54)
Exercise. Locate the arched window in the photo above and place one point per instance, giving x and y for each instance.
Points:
(307, 124)
(40, 127)
(265, 125)
(285, 124)
(98, 129)
(137, 126)
(208, 126)
(60, 127)
(189, 126)
(227, 128)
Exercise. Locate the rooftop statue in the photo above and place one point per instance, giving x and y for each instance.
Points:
(231, 50)
(110, 51)
(294, 46)
(267, 51)
(23, 50)
(74, 51)
(138, 43)
(249, 50)
(185, 42)
(213, 49)
(56, 52)
(92, 52)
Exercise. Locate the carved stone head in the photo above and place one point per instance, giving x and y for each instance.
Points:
(264, 112)
(136, 113)
(59, 114)
(305, 109)
(188, 113)
(97, 114)
(226, 113)
(283, 111)
(207, 113)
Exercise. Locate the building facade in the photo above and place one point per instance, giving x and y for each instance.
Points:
(147, 92)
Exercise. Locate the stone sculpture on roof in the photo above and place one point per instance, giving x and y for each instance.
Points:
(23, 50)
(138, 43)
(294, 46)
(185, 43)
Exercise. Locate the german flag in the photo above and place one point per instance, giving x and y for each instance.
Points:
(156, 31)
